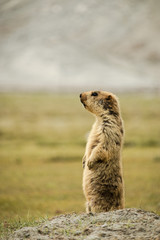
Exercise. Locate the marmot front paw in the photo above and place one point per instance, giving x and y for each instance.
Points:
(90, 164)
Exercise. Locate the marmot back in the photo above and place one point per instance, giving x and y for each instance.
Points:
(102, 177)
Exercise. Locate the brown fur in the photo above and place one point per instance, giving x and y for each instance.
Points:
(102, 176)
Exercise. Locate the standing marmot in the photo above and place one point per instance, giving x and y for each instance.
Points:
(102, 176)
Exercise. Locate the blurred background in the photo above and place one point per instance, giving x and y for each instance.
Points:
(71, 45)
(50, 51)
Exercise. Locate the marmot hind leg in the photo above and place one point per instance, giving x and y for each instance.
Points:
(88, 208)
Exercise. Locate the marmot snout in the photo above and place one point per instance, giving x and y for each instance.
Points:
(102, 176)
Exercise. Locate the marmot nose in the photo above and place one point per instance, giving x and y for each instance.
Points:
(80, 95)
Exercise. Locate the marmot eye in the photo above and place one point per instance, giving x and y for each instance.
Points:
(94, 94)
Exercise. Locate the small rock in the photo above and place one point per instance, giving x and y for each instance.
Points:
(77, 233)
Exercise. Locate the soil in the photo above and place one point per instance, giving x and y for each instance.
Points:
(121, 224)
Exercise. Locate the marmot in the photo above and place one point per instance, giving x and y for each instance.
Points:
(102, 176)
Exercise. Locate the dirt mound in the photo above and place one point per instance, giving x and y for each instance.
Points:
(121, 224)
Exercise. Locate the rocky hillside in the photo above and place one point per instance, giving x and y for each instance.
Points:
(117, 225)
(70, 44)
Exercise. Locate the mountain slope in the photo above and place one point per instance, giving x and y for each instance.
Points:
(68, 45)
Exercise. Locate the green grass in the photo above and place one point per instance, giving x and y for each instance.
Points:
(42, 141)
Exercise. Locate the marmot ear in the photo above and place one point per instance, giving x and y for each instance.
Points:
(109, 97)
(107, 103)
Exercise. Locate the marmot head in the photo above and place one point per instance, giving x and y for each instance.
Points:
(100, 102)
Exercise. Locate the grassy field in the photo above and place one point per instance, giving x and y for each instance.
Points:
(42, 141)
